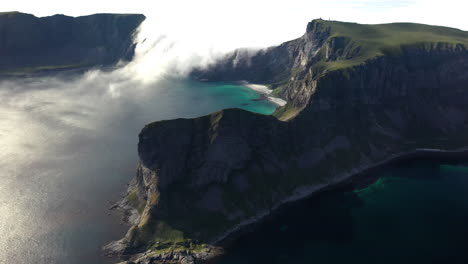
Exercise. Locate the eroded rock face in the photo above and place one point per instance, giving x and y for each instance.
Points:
(203, 151)
(60, 41)
(269, 66)
(219, 173)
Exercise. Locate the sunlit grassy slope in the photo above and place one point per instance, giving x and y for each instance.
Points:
(356, 43)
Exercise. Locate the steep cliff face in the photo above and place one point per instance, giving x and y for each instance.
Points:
(273, 66)
(28, 43)
(293, 67)
(201, 180)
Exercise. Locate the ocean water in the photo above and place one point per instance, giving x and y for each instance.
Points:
(68, 147)
(414, 213)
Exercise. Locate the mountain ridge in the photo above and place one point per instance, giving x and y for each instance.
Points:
(29, 44)
(350, 43)
(201, 179)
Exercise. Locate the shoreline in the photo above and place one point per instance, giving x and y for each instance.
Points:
(264, 90)
(350, 179)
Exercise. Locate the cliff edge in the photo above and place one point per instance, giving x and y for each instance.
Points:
(358, 95)
(30, 44)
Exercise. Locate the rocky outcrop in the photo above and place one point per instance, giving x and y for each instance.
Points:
(273, 66)
(202, 180)
(29, 44)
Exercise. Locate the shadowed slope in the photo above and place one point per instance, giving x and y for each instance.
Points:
(29, 44)
(205, 179)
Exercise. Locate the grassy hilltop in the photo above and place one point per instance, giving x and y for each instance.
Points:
(370, 41)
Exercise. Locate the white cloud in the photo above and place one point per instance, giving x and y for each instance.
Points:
(183, 33)
(243, 13)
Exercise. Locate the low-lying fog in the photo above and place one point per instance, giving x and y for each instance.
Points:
(68, 147)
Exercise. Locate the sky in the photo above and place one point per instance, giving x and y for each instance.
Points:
(181, 34)
(286, 17)
(253, 23)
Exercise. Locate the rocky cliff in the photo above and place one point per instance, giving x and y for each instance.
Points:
(350, 107)
(29, 43)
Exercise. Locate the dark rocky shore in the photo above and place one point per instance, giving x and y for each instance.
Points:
(357, 181)
(359, 96)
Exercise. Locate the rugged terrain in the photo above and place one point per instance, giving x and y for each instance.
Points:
(358, 95)
(30, 44)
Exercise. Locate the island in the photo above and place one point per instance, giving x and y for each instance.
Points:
(358, 96)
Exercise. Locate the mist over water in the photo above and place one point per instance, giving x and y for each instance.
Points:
(172, 51)
(68, 148)
(68, 143)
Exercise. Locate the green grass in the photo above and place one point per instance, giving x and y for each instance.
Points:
(164, 232)
(350, 44)
(286, 112)
(276, 92)
(134, 201)
(163, 238)
(184, 245)
(157, 233)
(370, 41)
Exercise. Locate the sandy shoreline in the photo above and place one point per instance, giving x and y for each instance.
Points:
(263, 89)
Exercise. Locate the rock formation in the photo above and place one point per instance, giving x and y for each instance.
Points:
(358, 95)
(29, 44)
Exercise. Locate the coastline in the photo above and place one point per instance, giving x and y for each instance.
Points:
(356, 177)
(353, 177)
(264, 90)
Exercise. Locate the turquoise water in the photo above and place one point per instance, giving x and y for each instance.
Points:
(415, 213)
(225, 95)
(68, 149)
